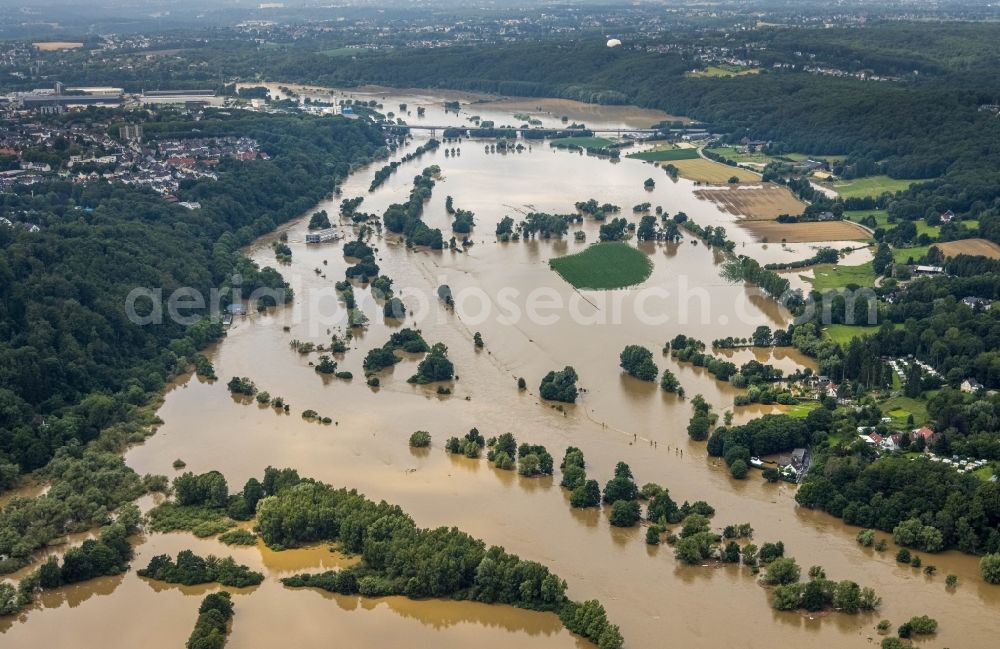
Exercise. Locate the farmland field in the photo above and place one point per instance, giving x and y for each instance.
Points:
(665, 155)
(832, 276)
(708, 171)
(870, 186)
(604, 266)
(982, 247)
(754, 202)
(52, 46)
(806, 232)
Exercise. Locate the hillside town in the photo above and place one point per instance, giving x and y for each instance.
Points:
(84, 145)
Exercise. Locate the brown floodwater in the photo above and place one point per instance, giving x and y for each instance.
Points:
(645, 590)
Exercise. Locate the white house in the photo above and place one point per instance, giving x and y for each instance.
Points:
(971, 385)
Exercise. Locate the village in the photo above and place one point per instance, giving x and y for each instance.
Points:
(35, 149)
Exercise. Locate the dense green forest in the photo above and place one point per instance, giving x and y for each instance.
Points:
(916, 129)
(76, 374)
(71, 363)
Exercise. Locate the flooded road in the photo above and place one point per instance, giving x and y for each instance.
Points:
(652, 597)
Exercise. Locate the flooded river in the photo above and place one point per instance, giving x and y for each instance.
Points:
(655, 600)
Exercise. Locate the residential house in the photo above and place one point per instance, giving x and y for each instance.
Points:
(971, 385)
(923, 432)
(977, 303)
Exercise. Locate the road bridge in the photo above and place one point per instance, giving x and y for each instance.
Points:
(612, 131)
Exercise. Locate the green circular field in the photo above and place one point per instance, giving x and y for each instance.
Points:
(604, 266)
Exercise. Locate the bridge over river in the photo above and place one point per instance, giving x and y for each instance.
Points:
(613, 131)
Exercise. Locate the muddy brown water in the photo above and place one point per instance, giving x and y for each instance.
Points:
(654, 599)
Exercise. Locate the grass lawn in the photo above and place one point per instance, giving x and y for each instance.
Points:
(870, 186)
(881, 216)
(582, 142)
(900, 255)
(665, 155)
(899, 408)
(604, 266)
(882, 221)
(832, 276)
(800, 410)
(984, 473)
(932, 231)
(843, 334)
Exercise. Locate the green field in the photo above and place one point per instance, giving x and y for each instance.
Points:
(870, 186)
(899, 408)
(882, 221)
(984, 473)
(799, 157)
(604, 266)
(665, 155)
(832, 276)
(843, 334)
(900, 255)
(800, 410)
(582, 142)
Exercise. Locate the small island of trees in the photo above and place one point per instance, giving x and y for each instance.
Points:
(637, 361)
(420, 439)
(212, 626)
(434, 367)
(531, 459)
(191, 569)
(559, 386)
